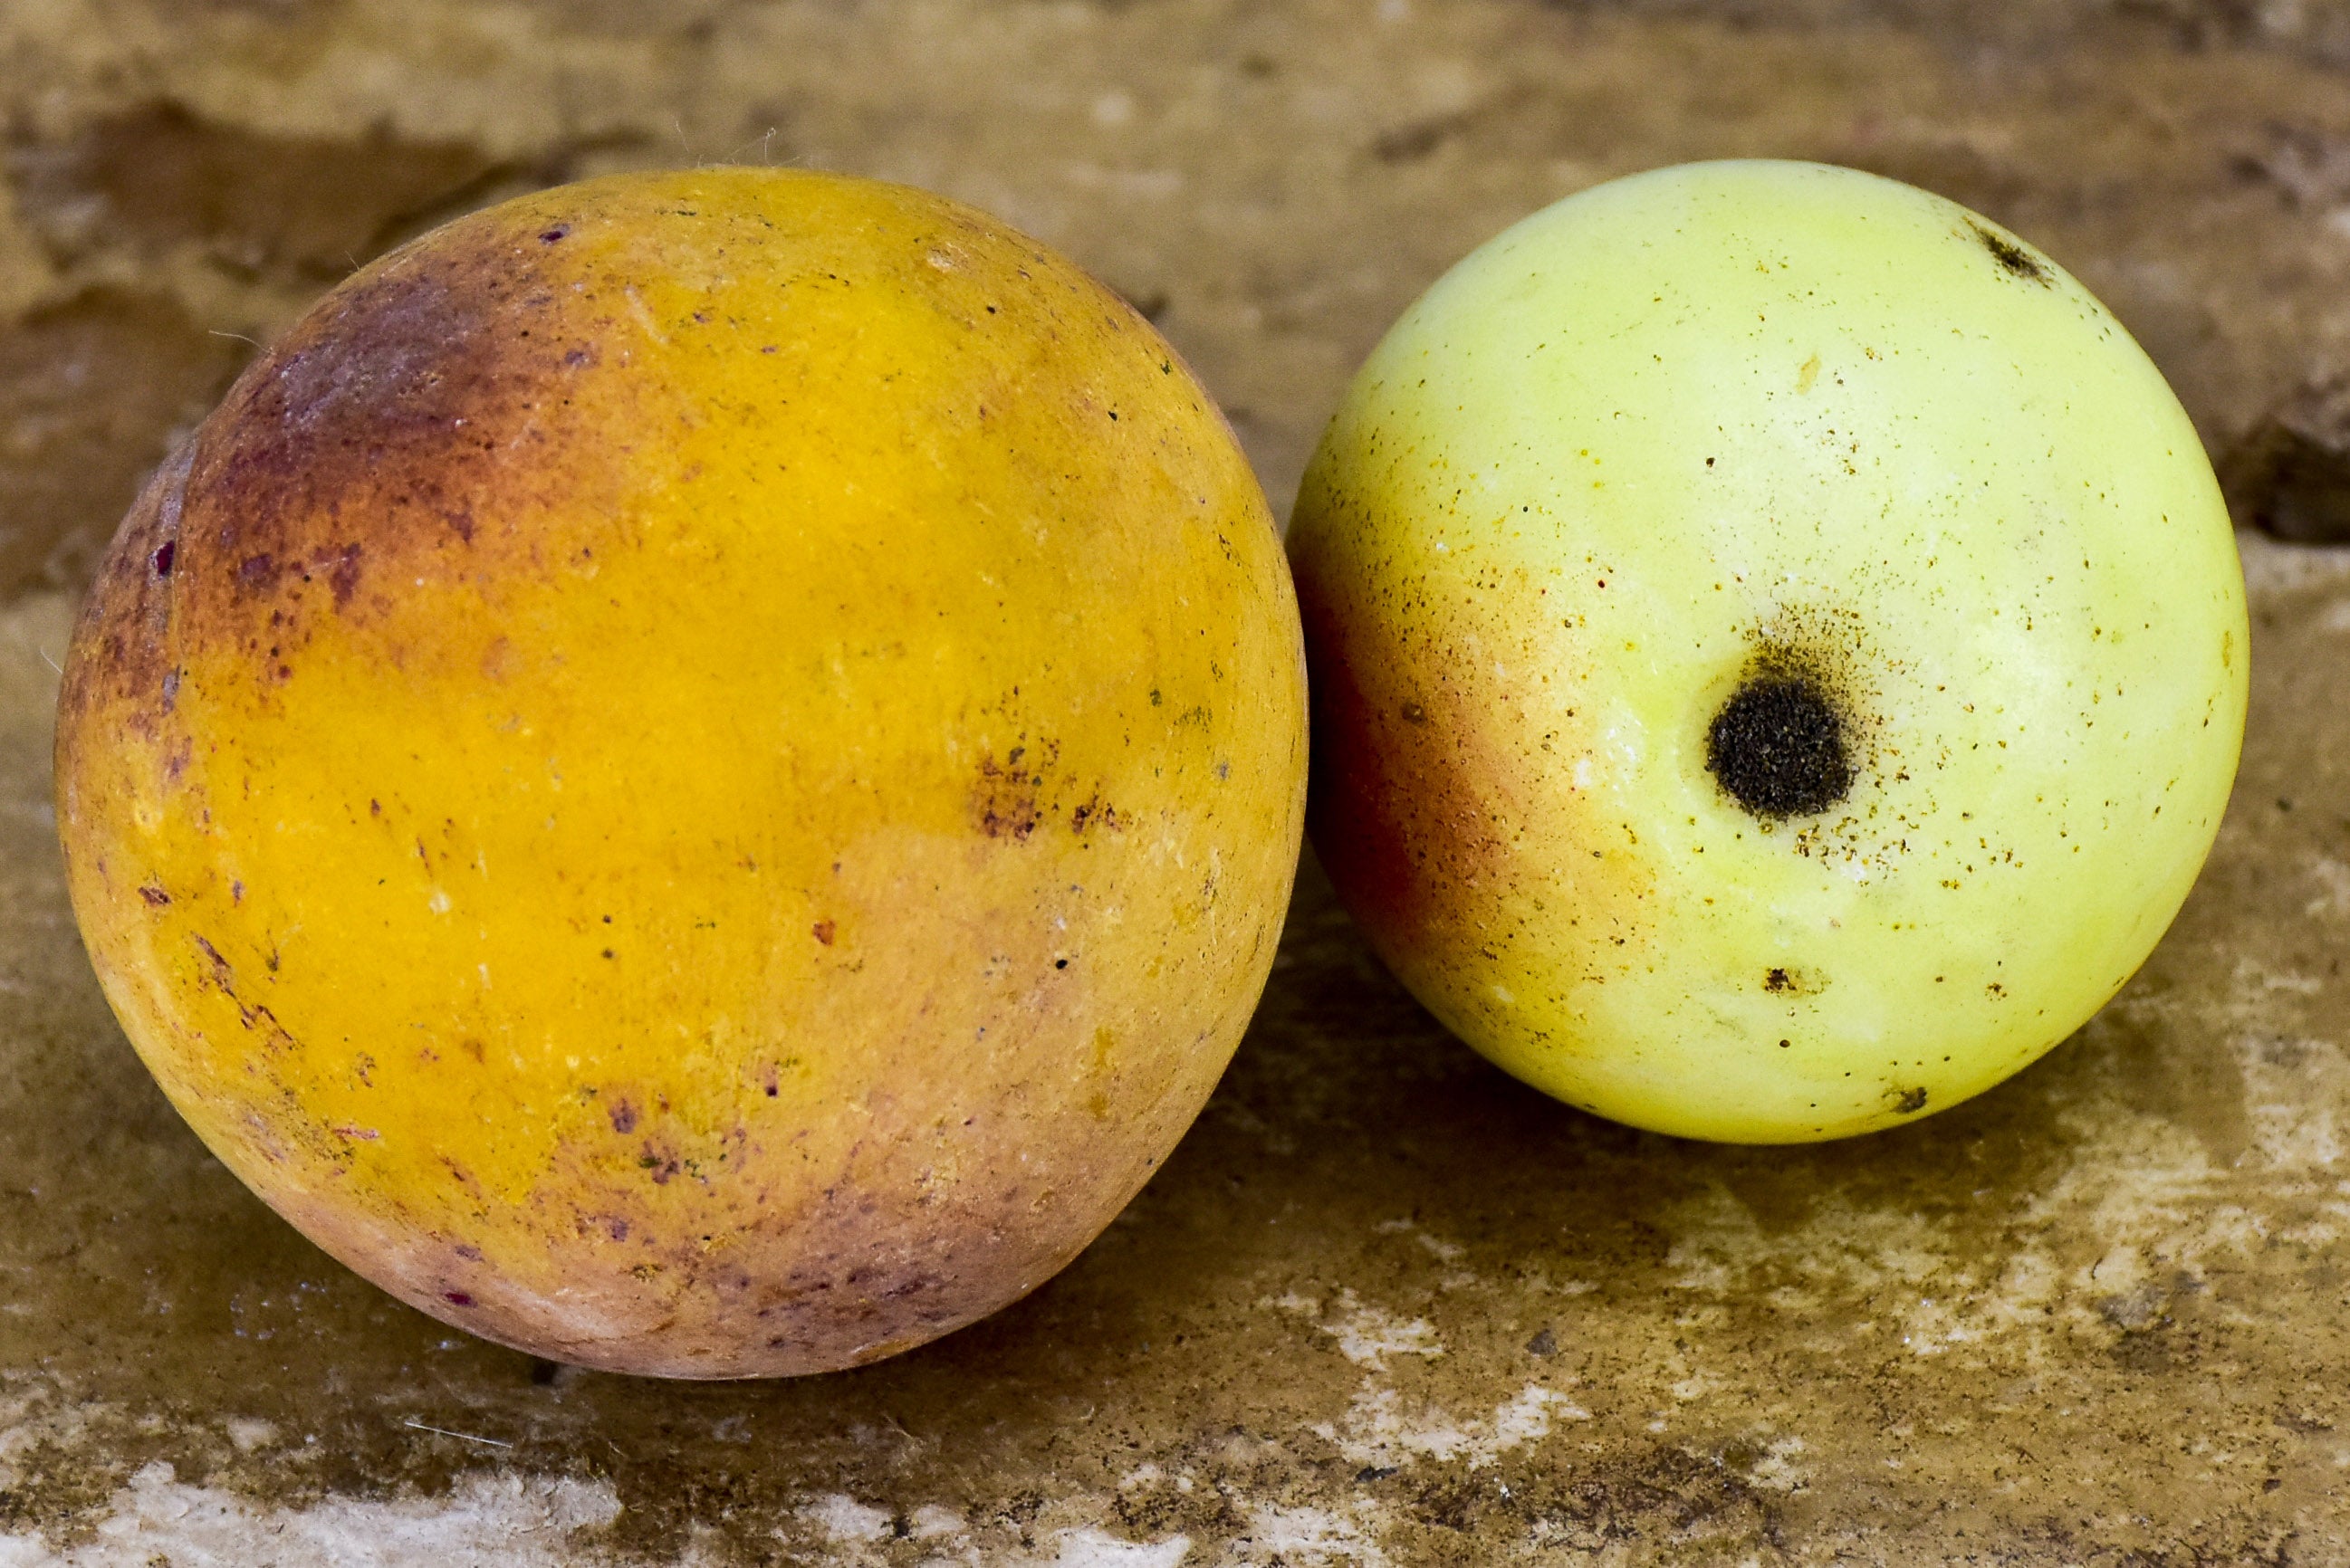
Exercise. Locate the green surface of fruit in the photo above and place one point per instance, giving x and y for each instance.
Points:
(1778, 651)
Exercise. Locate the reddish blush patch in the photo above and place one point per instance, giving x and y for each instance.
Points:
(1399, 805)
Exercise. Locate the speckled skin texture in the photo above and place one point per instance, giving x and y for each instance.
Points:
(2096, 1317)
(1735, 423)
(694, 773)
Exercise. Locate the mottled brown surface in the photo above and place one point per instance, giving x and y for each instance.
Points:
(1384, 1305)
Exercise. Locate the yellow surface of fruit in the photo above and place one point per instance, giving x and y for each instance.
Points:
(1779, 652)
(697, 774)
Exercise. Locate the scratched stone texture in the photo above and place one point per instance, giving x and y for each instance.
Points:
(1383, 1305)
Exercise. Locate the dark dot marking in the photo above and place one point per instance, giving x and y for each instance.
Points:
(2011, 255)
(456, 1298)
(1060, 963)
(548, 237)
(1912, 1101)
(823, 931)
(1777, 746)
(1777, 981)
(1413, 714)
(1783, 1045)
(163, 554)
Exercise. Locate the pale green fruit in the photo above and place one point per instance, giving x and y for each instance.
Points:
(1847, 448)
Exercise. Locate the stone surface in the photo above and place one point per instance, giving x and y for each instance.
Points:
(1383, 1305)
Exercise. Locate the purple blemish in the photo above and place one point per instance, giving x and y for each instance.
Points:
(548, 237)
(163, 554)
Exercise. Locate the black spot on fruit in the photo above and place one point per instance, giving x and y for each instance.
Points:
(1777, 981)
(2018, 261)
(1911, 1102)
(1777, 746)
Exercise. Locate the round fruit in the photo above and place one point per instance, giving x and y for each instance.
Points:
(698, 773)
(1778, 651)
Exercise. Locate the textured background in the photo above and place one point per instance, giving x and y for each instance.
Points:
(1383, 1305)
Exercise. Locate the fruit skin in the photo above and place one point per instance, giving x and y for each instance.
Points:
(1679, 431)
(697, 774)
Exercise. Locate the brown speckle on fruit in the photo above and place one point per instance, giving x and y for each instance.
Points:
(2014, 257)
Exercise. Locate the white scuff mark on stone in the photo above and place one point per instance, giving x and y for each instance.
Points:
(933, 1521)
(514, 1521)
(1527, 1418)
(2333, 879)
(249, 1433)
(2249, 975)
(2293, 1086)
(1718, 1247)
(1088, 1547)
(1539, 1280)
(28, 1421)
(1437, 1248)
(1777, 1470)
(1307, 1536)
(1368, 1335)
(1930, 1327)
(2274, 567)
(1375, 1431)
(845, 1520)
(1695, 1386)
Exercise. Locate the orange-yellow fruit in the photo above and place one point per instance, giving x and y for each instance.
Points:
(697, 774)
